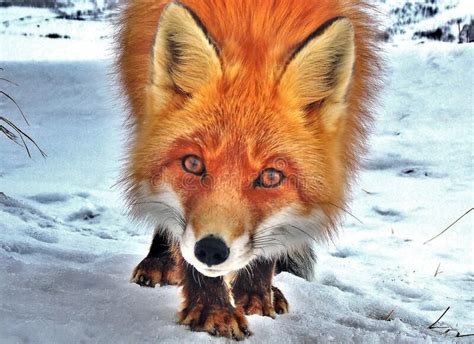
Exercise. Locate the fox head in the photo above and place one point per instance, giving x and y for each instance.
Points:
(242, 149)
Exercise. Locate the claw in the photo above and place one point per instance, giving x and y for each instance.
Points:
(246, 332)
(151, 272)
(216, 320)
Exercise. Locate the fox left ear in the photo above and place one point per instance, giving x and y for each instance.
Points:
(321, 67)
(184, 56)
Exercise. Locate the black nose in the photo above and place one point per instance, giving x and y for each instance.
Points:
(211, 250)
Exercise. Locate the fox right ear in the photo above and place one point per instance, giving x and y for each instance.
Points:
(184, 56)
(322, 65)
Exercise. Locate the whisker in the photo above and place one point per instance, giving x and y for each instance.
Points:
(344, 210)
(269, 245)
(266, 239)
(283, 226)
(269, 236)
(199, 279)
(268, 228)
(248, 269)
(177, 216)
(302, 231)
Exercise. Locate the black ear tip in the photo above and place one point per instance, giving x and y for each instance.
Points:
(178, 57)
(199, 23)
(316, 33)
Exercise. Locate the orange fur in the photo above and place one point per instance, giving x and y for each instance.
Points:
(242, 122)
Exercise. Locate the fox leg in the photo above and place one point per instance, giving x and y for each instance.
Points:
(207, 306)
(163, 265)
(253, 291)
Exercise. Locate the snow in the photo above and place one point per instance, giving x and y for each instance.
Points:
(67, 248)
(23, 36)
(14, 13)
(405, 18)
(20, 48)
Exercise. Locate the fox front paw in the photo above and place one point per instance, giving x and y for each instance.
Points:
(280, 304)
(220, 321)
(256, 303)
(152, 271)
(263, 303)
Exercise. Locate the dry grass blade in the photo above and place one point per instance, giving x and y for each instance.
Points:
(452, 224)
(10, 135)
(387, 318)
(368, 192)
(16, 104)
(448, 328)
(21, 134)
(12, 131)
(346, 211)
(437, 270)
(433, 325)
(9, 81)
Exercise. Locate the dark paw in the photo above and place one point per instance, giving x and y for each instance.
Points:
(218, 321)
(152, 271)
(280, 304)
(145, 280)
(256, 303)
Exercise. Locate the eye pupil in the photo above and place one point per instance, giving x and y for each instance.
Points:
(269, 178)
(193, 164)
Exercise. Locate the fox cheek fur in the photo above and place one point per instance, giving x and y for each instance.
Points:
(244, 90)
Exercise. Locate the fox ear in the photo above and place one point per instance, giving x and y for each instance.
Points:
(321, 66)
(184, 56)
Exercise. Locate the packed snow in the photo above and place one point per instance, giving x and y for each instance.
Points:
(67, 248)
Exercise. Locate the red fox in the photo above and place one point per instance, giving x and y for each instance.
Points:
(248, 119)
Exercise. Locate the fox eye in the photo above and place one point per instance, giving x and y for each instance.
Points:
(193, 164)
(269, 178)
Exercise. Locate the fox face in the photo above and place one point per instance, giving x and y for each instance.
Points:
(244, 187)
(239, 155)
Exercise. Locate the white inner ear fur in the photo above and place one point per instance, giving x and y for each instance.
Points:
(183, 56)
(322, 69)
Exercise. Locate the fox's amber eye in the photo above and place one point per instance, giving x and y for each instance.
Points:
(269, 178)
(193, 164)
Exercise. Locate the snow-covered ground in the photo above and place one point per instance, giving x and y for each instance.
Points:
(24, 35)
(405, 20)
(67, 248)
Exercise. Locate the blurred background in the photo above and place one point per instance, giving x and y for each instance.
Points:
(442, 20)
